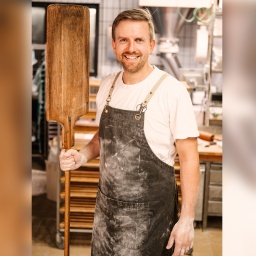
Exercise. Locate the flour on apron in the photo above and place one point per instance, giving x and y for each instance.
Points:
(136, 206)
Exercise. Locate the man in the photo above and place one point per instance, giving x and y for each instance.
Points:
(145, 118)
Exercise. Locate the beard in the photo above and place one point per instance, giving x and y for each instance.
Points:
(132, 67)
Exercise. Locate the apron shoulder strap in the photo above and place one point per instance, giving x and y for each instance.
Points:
(143, 105)
(113, 84)
(152, 91)
(110, 91)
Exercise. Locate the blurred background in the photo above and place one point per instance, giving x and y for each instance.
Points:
(197, 42)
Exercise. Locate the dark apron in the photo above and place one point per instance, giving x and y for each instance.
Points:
(136, 206)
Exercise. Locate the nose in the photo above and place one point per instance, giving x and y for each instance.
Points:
(131, 46)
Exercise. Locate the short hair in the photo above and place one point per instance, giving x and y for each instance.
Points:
(135, 15)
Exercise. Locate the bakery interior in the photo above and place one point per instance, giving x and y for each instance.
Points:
(189, 47)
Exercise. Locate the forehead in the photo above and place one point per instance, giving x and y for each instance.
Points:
(131, 28)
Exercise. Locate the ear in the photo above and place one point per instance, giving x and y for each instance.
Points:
(114, 46)
(152, 46)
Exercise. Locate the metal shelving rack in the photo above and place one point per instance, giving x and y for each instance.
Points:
(217, 13)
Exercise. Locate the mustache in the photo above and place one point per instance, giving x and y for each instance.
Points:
(131, 53)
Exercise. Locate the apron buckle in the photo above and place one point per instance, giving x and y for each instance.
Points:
(138, 116)
(142, 108)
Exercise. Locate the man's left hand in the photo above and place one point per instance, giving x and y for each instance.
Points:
(183, 236)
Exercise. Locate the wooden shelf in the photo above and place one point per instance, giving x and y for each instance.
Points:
(80, 194)
(83, 223)
(88, 129)
(94, 82)
(90, 115)
(86, 208)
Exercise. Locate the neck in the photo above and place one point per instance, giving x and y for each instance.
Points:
(134, 78)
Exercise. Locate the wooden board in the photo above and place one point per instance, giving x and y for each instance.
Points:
(67, 66)
(67, 76)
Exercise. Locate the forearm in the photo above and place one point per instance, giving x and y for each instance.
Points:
(189, 177)
(92, 149)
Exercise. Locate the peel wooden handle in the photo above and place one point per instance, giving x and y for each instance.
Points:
(67, 213)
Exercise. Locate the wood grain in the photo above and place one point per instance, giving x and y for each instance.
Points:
(67, 77)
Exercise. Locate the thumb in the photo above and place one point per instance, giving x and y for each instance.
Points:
(170, 242)
(69, 153)
(62, 152)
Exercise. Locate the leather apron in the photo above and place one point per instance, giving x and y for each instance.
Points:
(136, 206)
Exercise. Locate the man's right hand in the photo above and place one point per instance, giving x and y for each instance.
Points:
(71, 159)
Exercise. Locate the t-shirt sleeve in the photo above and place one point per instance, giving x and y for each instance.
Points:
(182, 119)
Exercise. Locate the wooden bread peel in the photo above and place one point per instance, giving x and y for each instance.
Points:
(67, 77)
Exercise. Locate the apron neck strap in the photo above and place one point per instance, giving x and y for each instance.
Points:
(113, 84)
(110, 92)
(152, 91)
(143, 106)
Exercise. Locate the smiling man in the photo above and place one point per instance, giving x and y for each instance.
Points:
(132, 46)
(145, 118)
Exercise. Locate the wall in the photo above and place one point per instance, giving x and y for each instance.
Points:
(187, 46)
(108, 11)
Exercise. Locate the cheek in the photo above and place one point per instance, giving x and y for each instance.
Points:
(118, 51)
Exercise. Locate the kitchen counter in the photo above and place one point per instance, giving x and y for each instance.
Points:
(211, 153)
(208, 154)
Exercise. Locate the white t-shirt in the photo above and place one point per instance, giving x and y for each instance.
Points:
(169, 115)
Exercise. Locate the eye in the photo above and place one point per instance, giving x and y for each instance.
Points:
(139, 40)
(122, 40)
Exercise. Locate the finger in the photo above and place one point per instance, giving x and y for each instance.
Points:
(170, 242)
(69, 160)
(67, 167)
(64, 168)
(69, 153)
(77, 165)
(182, 252)
(177, 250)
(73, 152)
(65, 154)
(187, 246)
(187, 249)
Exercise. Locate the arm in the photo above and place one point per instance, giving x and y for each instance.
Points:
(183, 231)
(92, 149)
(189, 175)
(73, 159)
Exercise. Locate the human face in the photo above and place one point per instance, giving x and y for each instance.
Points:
(132, 45)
